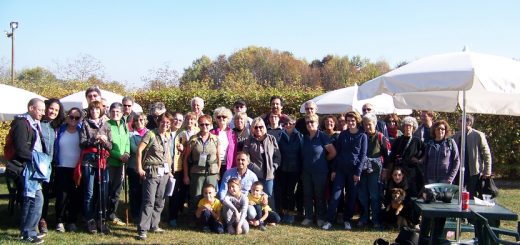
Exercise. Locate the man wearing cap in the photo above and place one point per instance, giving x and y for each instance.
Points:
(240, 106)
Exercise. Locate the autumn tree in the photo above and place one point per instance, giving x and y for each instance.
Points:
(81, 68)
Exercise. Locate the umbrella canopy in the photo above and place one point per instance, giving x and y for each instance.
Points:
(13, 101)
(436, 83)
(345, 99)
(78, 100)
(478, 83)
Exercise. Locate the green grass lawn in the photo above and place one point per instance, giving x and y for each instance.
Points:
(281, 234)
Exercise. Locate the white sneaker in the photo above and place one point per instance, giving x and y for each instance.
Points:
(307, 222)
(348, 226)
(60, 228)
(326, 226)
(321, 222)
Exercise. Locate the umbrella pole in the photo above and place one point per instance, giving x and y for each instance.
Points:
(462, 160)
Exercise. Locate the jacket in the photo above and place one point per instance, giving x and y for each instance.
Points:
(89, 131)
(135, 139)
(24, 137)
(263, 165)
(441, 161)
(37, 170)
(232, 146)
(477, 152)
(120, 142)
(49, 136)
(290, 150)
(351, 152)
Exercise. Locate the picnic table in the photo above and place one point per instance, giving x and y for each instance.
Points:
(434, 217)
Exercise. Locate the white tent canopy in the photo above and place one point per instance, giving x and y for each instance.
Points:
(13, 101)
(492, 84)
(345, 99)
(478, 83)
(78, 100)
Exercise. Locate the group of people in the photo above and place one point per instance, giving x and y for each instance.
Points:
(232, 170)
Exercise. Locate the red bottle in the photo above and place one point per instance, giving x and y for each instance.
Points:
(465, 200)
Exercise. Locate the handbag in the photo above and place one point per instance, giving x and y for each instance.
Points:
(487, 186)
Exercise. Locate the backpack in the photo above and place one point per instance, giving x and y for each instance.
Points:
(13, 167)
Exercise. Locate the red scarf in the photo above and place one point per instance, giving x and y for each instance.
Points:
(392, 132)
(102, 162)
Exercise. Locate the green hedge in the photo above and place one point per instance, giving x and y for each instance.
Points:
(503, 131)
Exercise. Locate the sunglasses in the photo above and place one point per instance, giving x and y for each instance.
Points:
(127, 105)
(71, 117)
(221, 117)
(259, 127)
(367, 109)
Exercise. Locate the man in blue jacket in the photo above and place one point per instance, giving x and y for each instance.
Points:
(30, 149)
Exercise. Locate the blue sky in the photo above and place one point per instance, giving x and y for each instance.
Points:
(131, 37)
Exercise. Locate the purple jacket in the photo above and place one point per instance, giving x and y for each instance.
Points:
(232, 146)
(441, 161)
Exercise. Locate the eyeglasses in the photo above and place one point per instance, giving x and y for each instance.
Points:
(71, 117)
(221, 117)
(127, 105)
(259, 127)
(204, 124)
(442, 129)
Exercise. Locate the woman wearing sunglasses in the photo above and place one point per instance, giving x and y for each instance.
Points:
(68, 201)
(201, 160)
(265, 155)
(226, 139)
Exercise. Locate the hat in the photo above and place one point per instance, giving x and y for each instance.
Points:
(240, 102)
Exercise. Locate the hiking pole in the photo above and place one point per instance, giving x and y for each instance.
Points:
(106, 230)
(100, 187)
(126, 193)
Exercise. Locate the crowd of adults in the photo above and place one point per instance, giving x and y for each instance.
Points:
(322, 167)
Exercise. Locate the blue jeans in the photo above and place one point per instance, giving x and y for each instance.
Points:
(343, 180)
(268, 189)
(369, 196)
(91, 191)
(31, 213)
(206, 219)
(135, 189)
(314, 188)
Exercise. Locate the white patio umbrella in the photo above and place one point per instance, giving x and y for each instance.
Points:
(78, 100)
(13, 101)
(345, 99)
(478, 83)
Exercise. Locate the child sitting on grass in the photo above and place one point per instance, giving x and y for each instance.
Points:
(235, 208)
(259, 211)
(208, 210)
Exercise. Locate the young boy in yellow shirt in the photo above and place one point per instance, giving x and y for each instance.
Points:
(259, 211)
(208, 210)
